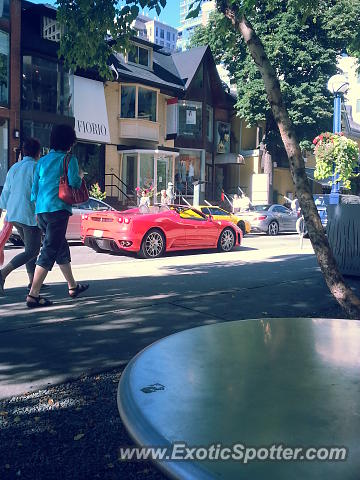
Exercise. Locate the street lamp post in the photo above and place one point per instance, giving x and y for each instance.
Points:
(338, 86)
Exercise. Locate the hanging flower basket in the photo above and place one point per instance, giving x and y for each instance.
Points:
(335, 151)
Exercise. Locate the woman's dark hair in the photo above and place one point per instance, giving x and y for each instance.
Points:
(62, 137)
(31, 147)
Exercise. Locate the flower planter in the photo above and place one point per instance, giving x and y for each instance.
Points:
(343, 231)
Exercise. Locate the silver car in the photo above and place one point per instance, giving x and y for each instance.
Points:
(73, 230)
(271, 219)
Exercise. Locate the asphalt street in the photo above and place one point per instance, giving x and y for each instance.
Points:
(132, 303)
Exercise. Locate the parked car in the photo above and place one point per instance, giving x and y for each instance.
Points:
(321, 202)
(73, 230)
(152, 231)
(271, 219)
(221, 214)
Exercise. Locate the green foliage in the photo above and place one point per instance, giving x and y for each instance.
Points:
(88, 23)
(302, 46)
(95, 192)
(336, 151)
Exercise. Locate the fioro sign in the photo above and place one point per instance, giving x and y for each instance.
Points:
(91, 120)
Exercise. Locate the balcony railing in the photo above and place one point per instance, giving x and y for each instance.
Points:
(139, 128)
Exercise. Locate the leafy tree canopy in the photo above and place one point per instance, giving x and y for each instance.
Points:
(86, 25)
(302, 49)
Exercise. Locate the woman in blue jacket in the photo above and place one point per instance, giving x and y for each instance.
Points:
(20, 210)
(53, 214)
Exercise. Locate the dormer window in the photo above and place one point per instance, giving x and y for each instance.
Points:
(140, 56)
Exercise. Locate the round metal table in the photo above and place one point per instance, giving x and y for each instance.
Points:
(258, 383)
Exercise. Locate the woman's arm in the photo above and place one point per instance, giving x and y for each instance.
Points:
(35, 185)
(74, 174)
(6, 191)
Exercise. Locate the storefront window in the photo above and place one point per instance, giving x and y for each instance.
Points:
(4, 150)
(4, 68)
(41, 131)
(4, 8)
(46, 87)
(187, 170)
(91, 157)
(147, 104)
(129, 173)
(190, 119)
(164, 165)
(128, 101)
(209, 123)
(146, 171)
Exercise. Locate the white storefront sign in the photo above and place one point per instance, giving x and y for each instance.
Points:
(91, 120)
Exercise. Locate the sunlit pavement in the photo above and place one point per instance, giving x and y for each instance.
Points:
(133, 302)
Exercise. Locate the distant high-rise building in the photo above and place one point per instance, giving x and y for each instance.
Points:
(156, 32)
(187, 26)
(349, 65)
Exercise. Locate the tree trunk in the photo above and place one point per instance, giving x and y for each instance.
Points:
(342, 293)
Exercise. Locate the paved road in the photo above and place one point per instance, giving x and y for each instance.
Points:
(133, 302)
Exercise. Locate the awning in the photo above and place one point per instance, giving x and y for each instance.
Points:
(325, 182)
(229, 158)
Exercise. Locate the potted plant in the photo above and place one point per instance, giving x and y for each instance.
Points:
(144, 194)
(338, 155)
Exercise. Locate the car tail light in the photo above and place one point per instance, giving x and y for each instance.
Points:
(262, 217)
(120, 219)
(84, 216)
(126, 220)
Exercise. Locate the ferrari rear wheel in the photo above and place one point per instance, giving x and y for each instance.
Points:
(226, 240)
(153, 244)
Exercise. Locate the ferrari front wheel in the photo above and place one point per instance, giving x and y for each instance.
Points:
(226, 240)
(153, 244)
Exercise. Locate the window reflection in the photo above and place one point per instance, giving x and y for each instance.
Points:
(338, 343)
(46, 86)
(147, 104)
(128, 102)
(190, 119)
(4, 8)
(3, 150)
(4, 68)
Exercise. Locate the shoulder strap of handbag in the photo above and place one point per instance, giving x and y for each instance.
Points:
(66, 161)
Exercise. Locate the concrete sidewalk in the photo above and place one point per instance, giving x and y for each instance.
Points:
(142, 302)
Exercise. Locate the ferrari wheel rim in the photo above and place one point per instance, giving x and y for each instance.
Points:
(154, 244)
(227, 240)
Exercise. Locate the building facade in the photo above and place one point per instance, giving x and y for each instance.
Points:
(10, 28)
(156, 32)
(140, 153)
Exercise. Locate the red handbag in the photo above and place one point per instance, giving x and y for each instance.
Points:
(68, 194)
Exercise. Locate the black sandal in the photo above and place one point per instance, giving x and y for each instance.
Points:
(38, 302)
(80, 288)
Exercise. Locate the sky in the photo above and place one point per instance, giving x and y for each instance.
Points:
(170, 14)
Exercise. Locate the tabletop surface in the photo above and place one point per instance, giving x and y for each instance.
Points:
(257, 383)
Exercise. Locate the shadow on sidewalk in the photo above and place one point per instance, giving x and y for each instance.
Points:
(119, 317)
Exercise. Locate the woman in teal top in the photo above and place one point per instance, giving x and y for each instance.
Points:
(53, 214)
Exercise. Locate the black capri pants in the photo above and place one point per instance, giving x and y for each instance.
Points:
(55, 248)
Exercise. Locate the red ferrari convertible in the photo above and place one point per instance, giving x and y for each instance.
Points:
(151, 231)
